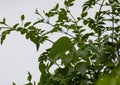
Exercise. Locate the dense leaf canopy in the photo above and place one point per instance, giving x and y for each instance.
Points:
(87, 54)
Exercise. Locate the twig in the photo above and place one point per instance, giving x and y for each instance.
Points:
(50, 41)
(57, 64)
(39, 14)
(112, 27)
(5, 27)
(67, 34)
(62, 30)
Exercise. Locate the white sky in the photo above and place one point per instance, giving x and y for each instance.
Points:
(18, 55)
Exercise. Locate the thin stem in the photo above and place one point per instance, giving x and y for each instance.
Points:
(67, 34)
(97, 25)
(72, 17)
(112, 27)
(57, 64)
(8, 26)
(22, 24)
(96, 51)
(50, 41)
(62, 30)
(101, 5)
(47, 22)
(5, 27)
(74, 20)
(39, 14)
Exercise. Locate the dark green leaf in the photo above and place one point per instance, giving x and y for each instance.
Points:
(56, 7)
(27, 35)
(27, 24)
(22, 17)
(42, 20)
(85, 22)
(84, 8)
(84, 14)
(19, 28)
(29, 77)
(37, 46)
(15, 26)
(14, 83)
(23, 31)
(69, 3)
(3, 38)
(42, 67)
(4, 20)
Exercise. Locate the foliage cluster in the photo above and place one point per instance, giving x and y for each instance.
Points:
(80, 57)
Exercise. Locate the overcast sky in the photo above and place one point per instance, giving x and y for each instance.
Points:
(18, 55)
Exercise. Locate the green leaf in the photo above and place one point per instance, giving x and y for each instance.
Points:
(37, 46)
(62, 15)
(84, 8)
(22, 17)
(81, 67)
(84, 53)
(3, 38)
(37, 22)
(29, 77)
(27, 24)
(23, 31)
(69, 3)
(60, 46)
(27, 35)
(15, 26)
(85, 22)
(94, 48)
(55, 8)
(19, 28)
(14, 83)
(4, 20)
(42, 67)
(84, 14)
